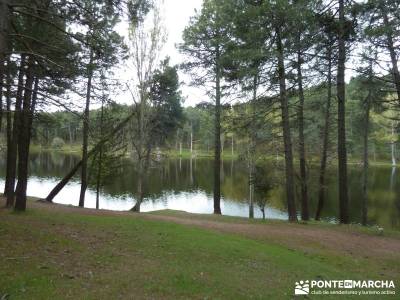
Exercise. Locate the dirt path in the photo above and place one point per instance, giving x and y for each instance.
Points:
(309, 238)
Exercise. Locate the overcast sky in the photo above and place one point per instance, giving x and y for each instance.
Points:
(176, 15)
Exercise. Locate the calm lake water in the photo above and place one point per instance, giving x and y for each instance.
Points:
(186, 184)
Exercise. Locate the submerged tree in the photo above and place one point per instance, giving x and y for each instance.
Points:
(162, 115)
(145, 48)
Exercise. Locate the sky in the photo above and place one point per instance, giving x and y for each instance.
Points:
(176, 15)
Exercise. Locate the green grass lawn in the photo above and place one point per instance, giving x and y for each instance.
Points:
(56, 254)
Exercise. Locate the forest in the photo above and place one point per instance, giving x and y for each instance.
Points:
(298, 120)
(275, 81)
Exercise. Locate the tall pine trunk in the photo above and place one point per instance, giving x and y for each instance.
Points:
(364, 214)
(4, 26)
(24, 137)
(289, 173)
(85, 133)
(341, 95)
(252, 146)
(324, 154)
(305, 216)
(217, 137)
(9, 124)
(2, 80)
(12, 146)
(100, 166)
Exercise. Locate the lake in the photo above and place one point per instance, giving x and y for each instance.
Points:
(186, 184)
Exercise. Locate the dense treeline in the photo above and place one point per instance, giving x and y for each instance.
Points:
(286, 61)
(63, 130)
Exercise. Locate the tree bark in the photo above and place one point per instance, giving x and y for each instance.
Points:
(305, 216)
(217, 137)
(99, 170)
(143, 169)
(342, 153)
(4, 26)
(392, 146)
(291, 205)
(324, 154)
(85, 133)
(24, 138)
(2, 79)
(13, 145)
(364, 215)
(252, 147)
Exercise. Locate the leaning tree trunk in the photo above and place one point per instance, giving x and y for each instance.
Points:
(324, 155)
(291, 205)
(54, 192)
(217, 137)
(85, 143)
(24, 140)
(11, 169)
(302, 152)
(342, 153)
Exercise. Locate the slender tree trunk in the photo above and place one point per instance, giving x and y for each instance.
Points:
(24, 138)
(141, 151)
(4, 26)
(232, 141)
(9, 127)
(252, 147)
(324, 154)
(99, 170)
(70, 134)
(2, 79)
(392, 52)
(143, 169)
(342, 153)
(392, 146)
(217, 150)
(305, 216)
(191, 140)
(13, 145)
(291, 205)
(85, 133)
(364, 215)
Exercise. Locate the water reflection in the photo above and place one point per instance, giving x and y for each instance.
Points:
(186, 184)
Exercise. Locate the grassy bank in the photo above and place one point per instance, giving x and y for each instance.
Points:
(59, 252)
